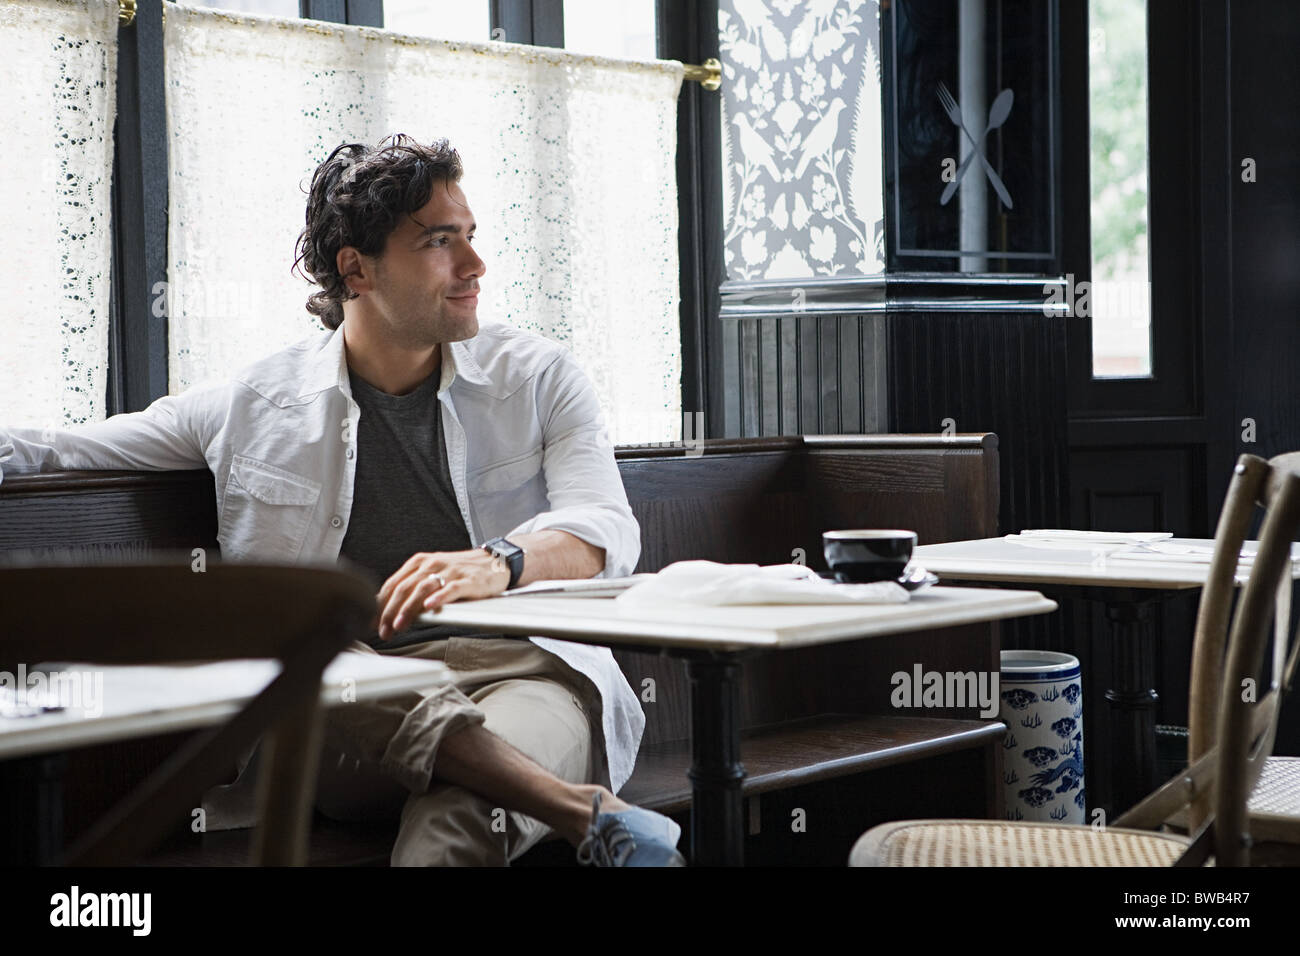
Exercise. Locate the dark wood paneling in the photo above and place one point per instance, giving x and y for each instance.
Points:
(1265, 112)
(750, 390)
(769, 379)
(111, 515)
(788, 383)
(990, 373)
(849, 346)
(802, 374)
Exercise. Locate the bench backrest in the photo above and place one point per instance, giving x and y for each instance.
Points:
(761, 500)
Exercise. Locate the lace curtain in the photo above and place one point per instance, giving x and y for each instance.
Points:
(569, 168)
(58, 64)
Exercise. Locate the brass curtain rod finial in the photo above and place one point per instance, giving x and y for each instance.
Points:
(708, 76)
(125, 12)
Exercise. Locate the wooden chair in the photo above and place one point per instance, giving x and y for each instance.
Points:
(1274, 805)
(1232, 733)
(135, 614)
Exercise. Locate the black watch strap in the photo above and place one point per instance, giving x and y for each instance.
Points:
(511, 553)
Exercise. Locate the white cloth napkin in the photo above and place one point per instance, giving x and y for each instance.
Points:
(711, 583)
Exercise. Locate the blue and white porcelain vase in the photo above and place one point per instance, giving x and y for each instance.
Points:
(1042, 752)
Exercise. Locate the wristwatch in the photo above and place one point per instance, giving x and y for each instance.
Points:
(511, 554)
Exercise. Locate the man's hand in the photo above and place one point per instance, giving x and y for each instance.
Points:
(427, 581)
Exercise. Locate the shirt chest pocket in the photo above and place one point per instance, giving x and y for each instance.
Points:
(265, 511)
(509, 475)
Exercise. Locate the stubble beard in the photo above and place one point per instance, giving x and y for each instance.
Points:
(422, 331)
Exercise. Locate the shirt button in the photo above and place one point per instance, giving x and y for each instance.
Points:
(336, 522)
(349, 453)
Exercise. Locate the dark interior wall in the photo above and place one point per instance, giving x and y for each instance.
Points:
(1261, 254)
(1262, 251)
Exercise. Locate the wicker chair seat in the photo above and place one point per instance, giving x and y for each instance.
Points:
(998, 843)
(1278, 790)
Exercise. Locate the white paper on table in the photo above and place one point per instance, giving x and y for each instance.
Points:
(1176, 555)
(112, 690)
(1068, 540)
(580, 587)
(711, 583)
(1129, 536)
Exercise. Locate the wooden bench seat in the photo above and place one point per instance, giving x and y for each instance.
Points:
(809, 716)
(805, 751)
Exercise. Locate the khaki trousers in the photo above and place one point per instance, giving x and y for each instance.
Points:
(377, 757)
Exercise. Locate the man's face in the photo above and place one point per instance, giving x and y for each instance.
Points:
(426, 282)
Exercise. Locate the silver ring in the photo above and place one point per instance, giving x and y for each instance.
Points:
(441, 583)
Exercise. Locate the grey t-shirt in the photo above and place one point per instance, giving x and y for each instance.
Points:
(403, 499)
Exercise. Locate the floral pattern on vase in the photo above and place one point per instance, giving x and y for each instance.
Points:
(803, 191)
(1042, 761)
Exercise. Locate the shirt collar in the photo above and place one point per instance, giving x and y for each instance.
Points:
(328, 368)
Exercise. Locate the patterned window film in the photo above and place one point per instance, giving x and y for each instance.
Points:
(801, 138)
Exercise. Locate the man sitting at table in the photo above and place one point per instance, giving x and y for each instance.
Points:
(396, 441)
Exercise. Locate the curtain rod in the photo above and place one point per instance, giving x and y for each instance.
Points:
(708, 74)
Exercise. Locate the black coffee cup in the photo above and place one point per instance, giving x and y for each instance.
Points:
(864, 555)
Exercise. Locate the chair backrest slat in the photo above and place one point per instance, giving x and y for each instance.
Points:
(1245, 490)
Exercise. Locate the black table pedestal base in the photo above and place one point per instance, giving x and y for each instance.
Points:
(716, 773)
(1133, 701)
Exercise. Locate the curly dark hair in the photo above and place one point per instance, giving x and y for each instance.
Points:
(357, 197)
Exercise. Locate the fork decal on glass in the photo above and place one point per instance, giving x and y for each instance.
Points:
(998, 114)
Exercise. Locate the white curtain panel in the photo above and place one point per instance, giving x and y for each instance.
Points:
(58, 64)
(569, 169)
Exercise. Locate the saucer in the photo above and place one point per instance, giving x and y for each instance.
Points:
(914, 578)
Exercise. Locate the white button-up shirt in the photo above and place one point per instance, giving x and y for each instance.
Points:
(526, 444)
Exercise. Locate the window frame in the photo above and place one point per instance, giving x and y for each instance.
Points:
(1173, 388)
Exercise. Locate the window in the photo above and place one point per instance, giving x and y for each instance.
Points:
(623, 30)
(1120, 301)
(138, 363)
(445, 21)
(269, 8)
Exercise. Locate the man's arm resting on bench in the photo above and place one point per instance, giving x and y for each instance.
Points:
(171, 434)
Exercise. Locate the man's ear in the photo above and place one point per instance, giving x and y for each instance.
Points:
(354, 269)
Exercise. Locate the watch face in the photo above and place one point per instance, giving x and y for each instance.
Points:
(506, 549)
(511, 555)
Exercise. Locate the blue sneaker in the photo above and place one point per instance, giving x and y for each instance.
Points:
(632, 837)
